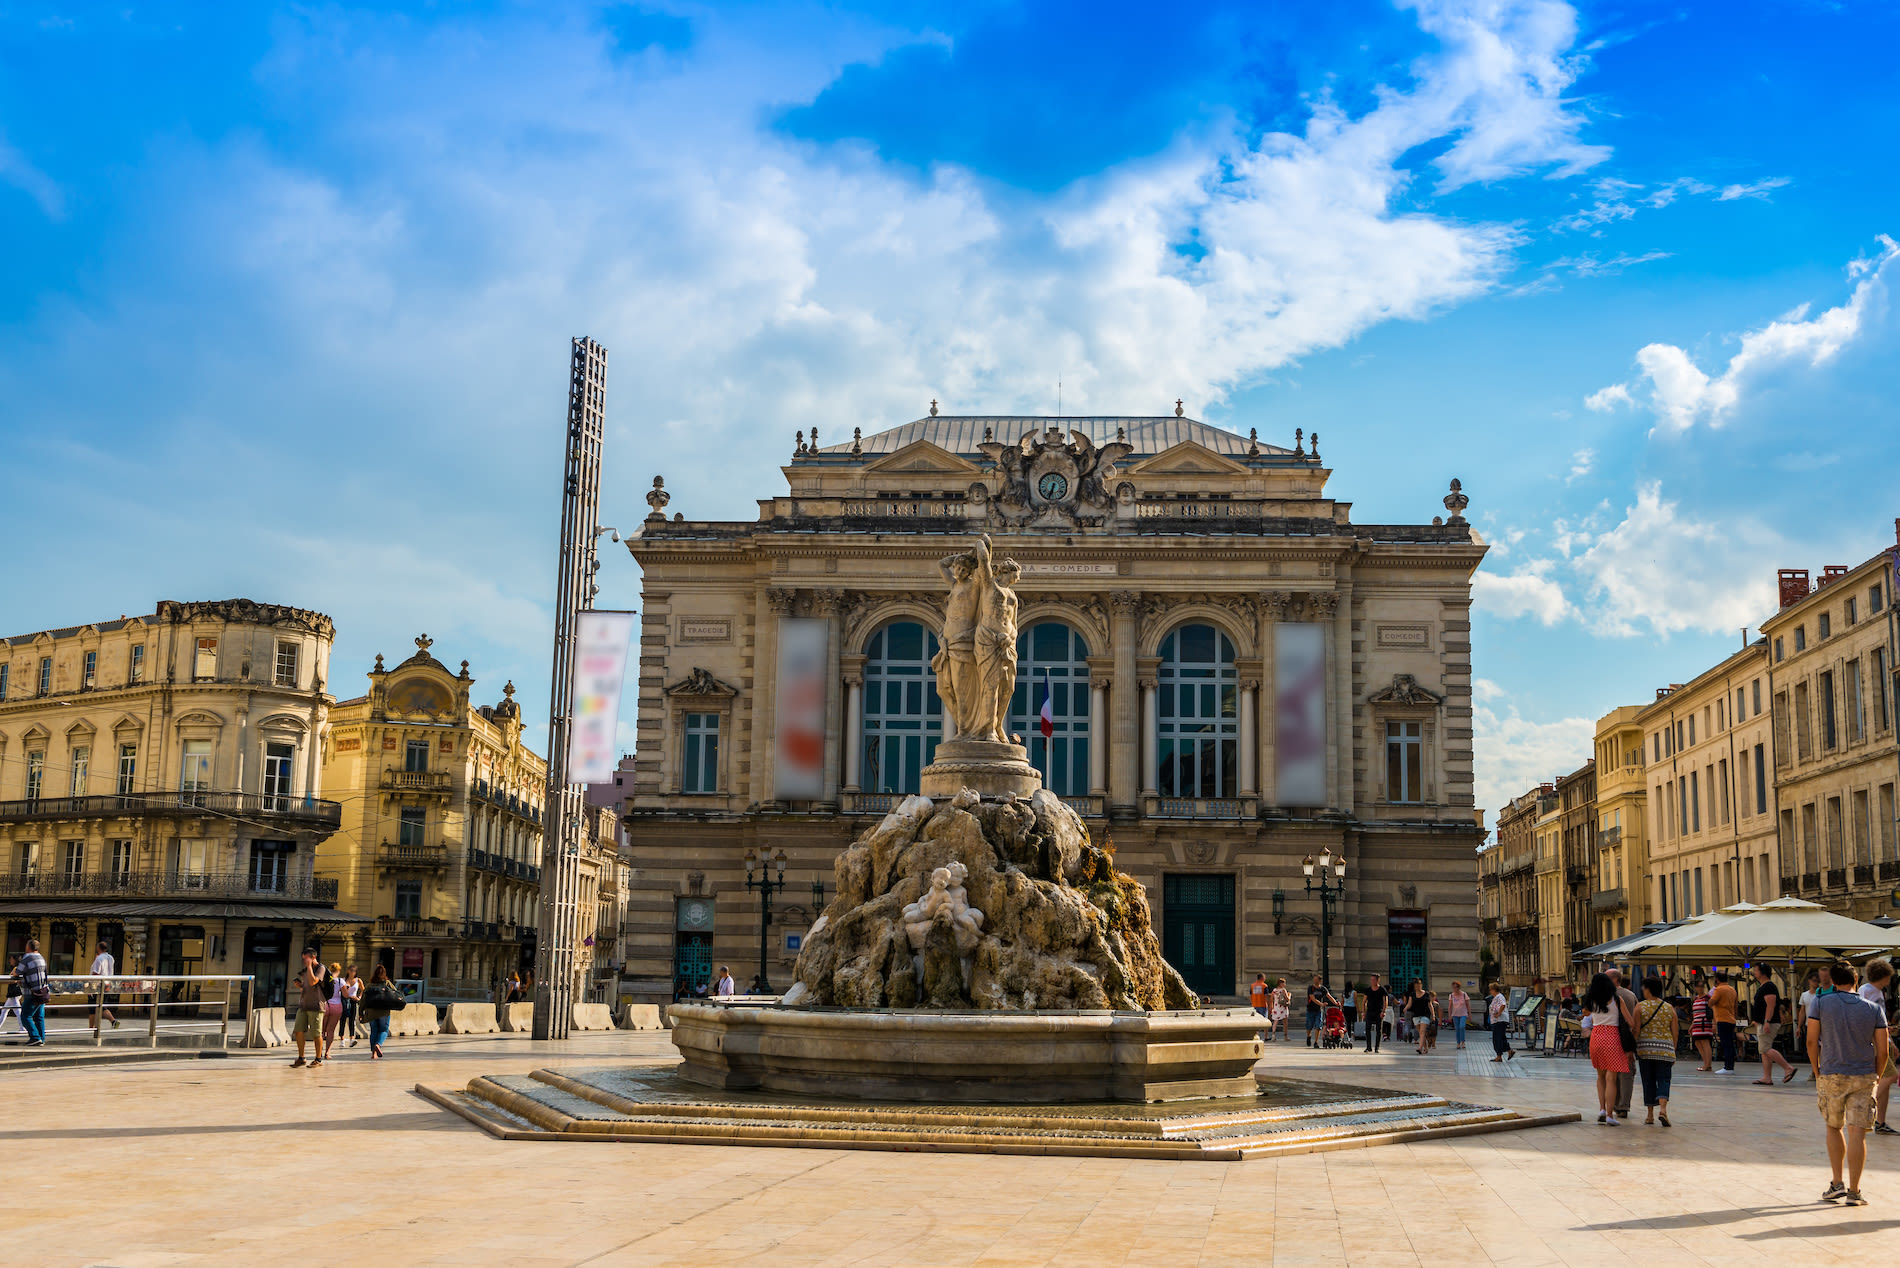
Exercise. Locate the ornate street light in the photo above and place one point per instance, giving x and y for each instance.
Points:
(766, 886)
(1331, 873)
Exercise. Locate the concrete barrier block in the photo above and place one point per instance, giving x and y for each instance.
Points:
(279, 1027)
(471, 1019)
(414, 1021)
(640, 1017)
(264, 1028)
(592, 1017)
(517, 1018)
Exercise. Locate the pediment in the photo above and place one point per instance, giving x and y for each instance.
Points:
(282, 723)
(1187, 458)
(700, 682)
(36, 732)
(127, 722)
(1406, 693)
(200, 717)
(80, 730)
(921, 457)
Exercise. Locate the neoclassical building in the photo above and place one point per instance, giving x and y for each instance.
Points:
(1235, 676)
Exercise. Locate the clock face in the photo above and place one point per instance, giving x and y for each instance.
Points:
(1053, 486)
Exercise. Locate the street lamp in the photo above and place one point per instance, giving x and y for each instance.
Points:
(766, 887)
(1332, 883)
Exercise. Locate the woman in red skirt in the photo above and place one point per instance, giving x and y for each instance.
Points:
(1607, 1054)
(1701, 1022)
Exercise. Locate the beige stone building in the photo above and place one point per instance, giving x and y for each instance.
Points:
(1553, 950)
(1829, 670)
(1620, 903)
(1518, 926)
(1237, 676)
(1711, 789)
(160, 791)
(600, 906)
(440, 839)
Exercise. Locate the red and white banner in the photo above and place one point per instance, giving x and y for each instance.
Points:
(600, 671)
(798, 766)
(1299, 744)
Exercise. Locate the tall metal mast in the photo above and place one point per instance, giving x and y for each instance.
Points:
(561, 839)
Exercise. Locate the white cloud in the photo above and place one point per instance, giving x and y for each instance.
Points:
(1530, 591)
(1581, 464)
(1754, 189)
(1681, 394)
(17, 171)
(1608, 398)
(1669, 572)
(1615, 200)
(1512, 754)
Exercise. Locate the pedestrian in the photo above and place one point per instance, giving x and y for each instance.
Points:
(1460, 1013)
(1607, 1017)
(102, 966)
(514, 987)
(352, 995)
(10, 1006)
(724, 985)
(35, 991)
(1808, 989)
(1257, 995)
(1883, 1089)
(1625, 1082)
(1418, 1011)
(1701, 1026)
(1874, 990)
(1656, 1031)
(1280, 1010)
(1315, 1003)
(310, 996)
(332, 1005)
(1847, 1045)
(1722, 1005)
(1498, 1017)
(1766, 1012)
(379, 998)
(1377, 997)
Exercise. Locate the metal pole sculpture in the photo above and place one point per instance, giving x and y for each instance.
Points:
(564, 820)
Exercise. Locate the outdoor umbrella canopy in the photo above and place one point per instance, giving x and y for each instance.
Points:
(1615, 947)
(1785, 929)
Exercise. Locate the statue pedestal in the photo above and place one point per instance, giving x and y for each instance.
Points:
(994, 768)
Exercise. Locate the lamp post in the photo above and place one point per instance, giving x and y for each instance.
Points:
(1332, 883)
(766, 886)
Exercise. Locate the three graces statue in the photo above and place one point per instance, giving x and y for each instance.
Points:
(976, 668)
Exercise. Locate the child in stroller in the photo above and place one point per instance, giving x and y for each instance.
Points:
(1333, 1028)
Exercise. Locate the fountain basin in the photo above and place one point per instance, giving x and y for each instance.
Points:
(970, 1057)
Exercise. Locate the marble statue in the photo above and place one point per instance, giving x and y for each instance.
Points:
(947, 895)
(976, 666)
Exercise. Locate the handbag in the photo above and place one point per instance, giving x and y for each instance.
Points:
(1623, 1031)
(385, 998)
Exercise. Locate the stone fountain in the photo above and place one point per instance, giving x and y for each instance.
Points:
(981, 947)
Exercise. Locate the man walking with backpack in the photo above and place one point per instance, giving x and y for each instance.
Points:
(310, 997)
(35, 991)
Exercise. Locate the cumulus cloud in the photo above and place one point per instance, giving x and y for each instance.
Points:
(1512, 753)
(1667, 572)
(1581, 464)
(1530, 591)
(1681, 394)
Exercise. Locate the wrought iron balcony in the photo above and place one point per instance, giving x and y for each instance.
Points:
(1608, 900)
(1609, 836)
(434, 858)
(208, 886)
(1577, 875)
(432, 782)
(480, 931)
(304, 812)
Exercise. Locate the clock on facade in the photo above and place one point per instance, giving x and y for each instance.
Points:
(1053, 486)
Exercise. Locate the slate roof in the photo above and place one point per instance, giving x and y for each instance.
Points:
(963, 433)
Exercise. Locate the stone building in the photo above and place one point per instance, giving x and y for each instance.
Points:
(600, 905)
(159, 791)
(1553, 944)
(1517, 886)
(1620, 903)
(1830, 680)
(1577, 801)
(440, 840)
(1711, 786)
(1237, 676)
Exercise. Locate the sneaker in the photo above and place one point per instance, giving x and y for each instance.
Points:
(1852, 1197)
(1881, 1129)
(1835, 1189)
(115, 1022)
(298, 1062)
(316, 1063)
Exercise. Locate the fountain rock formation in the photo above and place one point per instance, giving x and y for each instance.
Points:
(1038, 918)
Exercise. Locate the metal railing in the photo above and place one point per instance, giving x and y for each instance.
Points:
(180, 884)
(399, 854)
(1609, 836)
(87, 998)
(1608, 899)
(308, 810)
(429, 781)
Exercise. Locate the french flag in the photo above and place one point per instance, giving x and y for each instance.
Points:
(1048, 719)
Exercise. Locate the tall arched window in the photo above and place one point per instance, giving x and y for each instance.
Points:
(1051, 656)
(1198, 715)
(903, 717)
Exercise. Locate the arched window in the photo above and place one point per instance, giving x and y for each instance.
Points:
(1050, 656)
(1198, 715)
(903, 717)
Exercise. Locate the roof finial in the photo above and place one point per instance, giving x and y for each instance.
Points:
(989, 433)
(1299, 441)
(424, 642)
(1121, 435)
(379, 664)
(508, 689)
(1177, 407)
(801, 445)
(1253, 442)
(933, 407)
(657, 498)
(857, 440)
(1456, 502)
(1315, 446)
(814, 438)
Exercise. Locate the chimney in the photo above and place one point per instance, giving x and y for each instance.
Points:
(1833, 572)
(1792, 584)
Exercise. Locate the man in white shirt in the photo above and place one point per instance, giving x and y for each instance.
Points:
(724, 985)
(102, 966)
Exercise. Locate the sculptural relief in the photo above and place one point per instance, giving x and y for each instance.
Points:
(976, 666)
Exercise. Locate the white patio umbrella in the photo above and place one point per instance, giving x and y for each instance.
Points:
(1785, 929)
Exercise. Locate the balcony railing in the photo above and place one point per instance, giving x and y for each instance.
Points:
(1520, 919)
(303, 811)
(1577, 875)
(430, 857)
(868, 803)
(1200, 808)
(243, 886)
(419, 781)
(411, 926)
(480, 931)
(1609, 836)
(500, 865)
(1608, 900)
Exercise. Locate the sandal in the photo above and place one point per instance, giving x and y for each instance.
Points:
(1790, 1078)
(1664, 1120)
(1763, 1083)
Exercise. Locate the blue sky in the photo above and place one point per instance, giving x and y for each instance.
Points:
(285, 292)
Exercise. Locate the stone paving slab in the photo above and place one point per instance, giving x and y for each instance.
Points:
(214, 1162)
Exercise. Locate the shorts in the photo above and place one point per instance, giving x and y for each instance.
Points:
(309, 1023)
(1765, 1035)
(1846, 1100)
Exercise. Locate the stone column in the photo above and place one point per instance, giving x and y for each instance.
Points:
(1271, 611)
(1150, 750)
(827, 604)
(774, 604)
(1098, 738)
(853, 721)
(1320, 609)
(1124, 735)
(1249, 758)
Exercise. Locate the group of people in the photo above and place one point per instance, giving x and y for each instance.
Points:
(684, 990)
(29, 990)
(330, 1001)
(1419, 1012)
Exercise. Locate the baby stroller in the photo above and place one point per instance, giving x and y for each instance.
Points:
(1333, 1028)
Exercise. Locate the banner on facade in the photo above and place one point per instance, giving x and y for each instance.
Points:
(600, 671)
(798, 765)
(1299, 745)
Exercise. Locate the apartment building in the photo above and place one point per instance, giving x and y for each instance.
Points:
(1620, 903)
(1517, 888)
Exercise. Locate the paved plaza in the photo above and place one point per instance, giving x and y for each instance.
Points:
(245, 1161)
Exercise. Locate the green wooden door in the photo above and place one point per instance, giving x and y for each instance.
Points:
(1197, 930)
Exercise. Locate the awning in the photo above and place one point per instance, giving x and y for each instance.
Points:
(1608, 950)
(195, 911)
(1785, 929)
